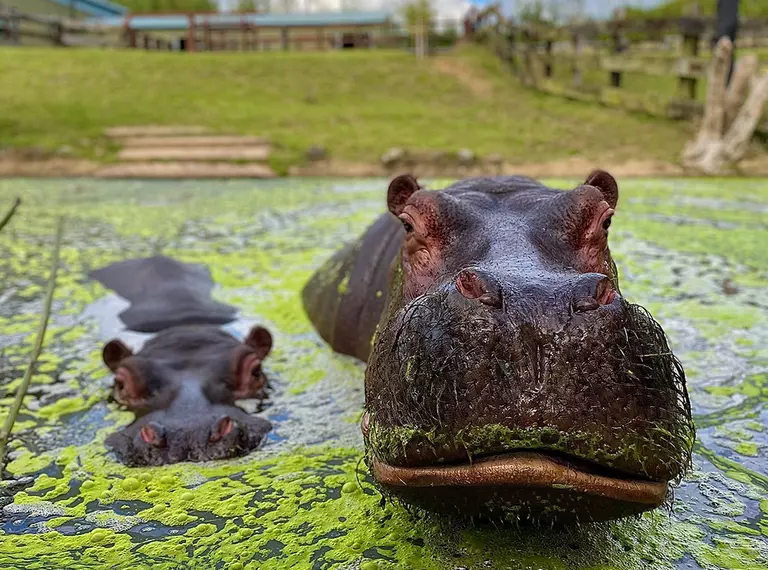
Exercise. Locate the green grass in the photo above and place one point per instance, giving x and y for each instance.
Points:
(676, 8)
(356, 104)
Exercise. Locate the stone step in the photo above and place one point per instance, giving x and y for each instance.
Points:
(155, 131)
(256, 153)
(185, 170)
(179, 141)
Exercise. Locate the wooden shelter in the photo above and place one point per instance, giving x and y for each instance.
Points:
(257, 32)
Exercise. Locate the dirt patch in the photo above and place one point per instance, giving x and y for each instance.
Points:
(756, 165)
(179, 170)
(258, 153)
(12, 165)
(54, 167)
(572, 167)
(582, 166)
(155, 131)
(463, 73)
(202, 140)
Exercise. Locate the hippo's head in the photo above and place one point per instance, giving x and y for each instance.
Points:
(182, 386)
(508, 376)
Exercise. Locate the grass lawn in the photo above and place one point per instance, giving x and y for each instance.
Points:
(356, 104)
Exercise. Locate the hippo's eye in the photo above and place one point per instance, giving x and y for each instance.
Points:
(607, 223)
(407, 225)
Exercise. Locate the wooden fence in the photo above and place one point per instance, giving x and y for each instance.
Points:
(206, 34)
(18, 28)
(657, 67)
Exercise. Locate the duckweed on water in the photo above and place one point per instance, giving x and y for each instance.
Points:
(305, 500)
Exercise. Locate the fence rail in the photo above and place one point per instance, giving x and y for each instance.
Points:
(16, 27)
(205, 33)
(657, 67)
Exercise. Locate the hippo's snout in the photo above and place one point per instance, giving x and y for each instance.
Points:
(590, 391)
(164, 437)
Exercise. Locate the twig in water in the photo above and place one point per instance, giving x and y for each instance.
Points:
(5, 434)
(11, 212)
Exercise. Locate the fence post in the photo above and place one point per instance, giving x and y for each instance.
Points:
(615, 50)
(191, 43)
(14, 23)
(56, 31)
(548, 61)
(577, 41)
(617, 43)
(530, 38)
(691, 29)
(727, 25)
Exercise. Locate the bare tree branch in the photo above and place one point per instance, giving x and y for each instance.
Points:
(10, 213)
(5, 434)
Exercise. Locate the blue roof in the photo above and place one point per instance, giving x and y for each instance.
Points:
(94, 8)
(181, 22)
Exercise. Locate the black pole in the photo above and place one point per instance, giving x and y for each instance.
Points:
(727, 24)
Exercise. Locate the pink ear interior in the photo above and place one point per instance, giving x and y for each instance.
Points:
(400, 189)
(149, 435)
(130, 390)
(607, 184)
(248, 381)
(223, 427)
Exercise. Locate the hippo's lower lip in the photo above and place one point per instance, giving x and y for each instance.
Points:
(527, 471)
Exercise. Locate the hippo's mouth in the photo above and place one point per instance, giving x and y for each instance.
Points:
(535, 471)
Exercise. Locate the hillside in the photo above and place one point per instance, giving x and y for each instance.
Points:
(357, 105)
(675, 8)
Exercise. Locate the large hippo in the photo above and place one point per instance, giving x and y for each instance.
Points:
(507, 377)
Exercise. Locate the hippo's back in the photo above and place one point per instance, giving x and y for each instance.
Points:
(346, 296)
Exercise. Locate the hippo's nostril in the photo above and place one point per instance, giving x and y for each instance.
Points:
(223, 427)
(473, 284)
(605, 293)
(585, 304)
(593, 291)
(153, 434)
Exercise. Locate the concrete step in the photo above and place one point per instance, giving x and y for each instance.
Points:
(179, 141)
(185, 170)
(155, 131)
(254, 153)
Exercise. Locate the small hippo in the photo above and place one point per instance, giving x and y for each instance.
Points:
(182, 386)
(508, 378)
(183, 383)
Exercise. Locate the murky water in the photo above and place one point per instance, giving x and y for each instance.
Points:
(694, 252)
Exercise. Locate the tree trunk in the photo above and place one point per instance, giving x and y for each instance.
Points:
(731, 113)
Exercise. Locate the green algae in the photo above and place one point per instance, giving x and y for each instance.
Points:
(314, 506)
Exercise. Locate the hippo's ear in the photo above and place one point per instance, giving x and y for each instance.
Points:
(260, 341)
(114, 352)
(400, 189)
(607, 184)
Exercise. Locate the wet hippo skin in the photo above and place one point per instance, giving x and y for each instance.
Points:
(507, 377)
(183, 384)
(164, 293)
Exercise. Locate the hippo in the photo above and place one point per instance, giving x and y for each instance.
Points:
(183, 384)
(507, 376)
